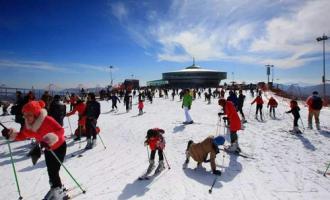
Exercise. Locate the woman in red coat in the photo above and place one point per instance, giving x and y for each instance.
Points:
(50, 135)
(233, 121)
(259, 102)
(80, 107)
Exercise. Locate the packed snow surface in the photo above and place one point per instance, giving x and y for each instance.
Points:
(285, 166)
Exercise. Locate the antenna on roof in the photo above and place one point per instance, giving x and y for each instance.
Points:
(193, 61)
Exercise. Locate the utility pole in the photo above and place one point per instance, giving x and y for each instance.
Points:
(111, 67)
(323, 39)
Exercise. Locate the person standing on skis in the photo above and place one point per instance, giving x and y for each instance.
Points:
(295, 112)
(258, 100)
(233, 121)
(200, 151)
(79, 107)
(93, 111)
(156, 142)
(114, 100)
(46, 131)
(240, 104)
(186, 105)
(272, 104)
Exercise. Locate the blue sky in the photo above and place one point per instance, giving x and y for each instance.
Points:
(68, 43)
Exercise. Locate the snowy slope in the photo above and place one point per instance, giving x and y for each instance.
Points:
(285, 166)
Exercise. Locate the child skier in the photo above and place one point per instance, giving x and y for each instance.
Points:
(156, 142)
(50, 135)
(79, 107)
(140, 107)
(295, 112)
(200, 151)
(272, 104)
(258, 100)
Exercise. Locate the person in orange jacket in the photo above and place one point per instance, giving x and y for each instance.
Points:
(272, 104)
(233, 121)
(46, 131)
(156, 142)
(80, 107)
(258, 100)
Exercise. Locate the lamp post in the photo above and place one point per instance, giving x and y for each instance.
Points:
(111, 67)
(319, 39)
(268, 72)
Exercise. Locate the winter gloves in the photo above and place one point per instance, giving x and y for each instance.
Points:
(220, 114)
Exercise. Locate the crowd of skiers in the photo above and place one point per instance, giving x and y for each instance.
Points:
(43, 121)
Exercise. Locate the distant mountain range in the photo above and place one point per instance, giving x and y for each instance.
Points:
(299, 90)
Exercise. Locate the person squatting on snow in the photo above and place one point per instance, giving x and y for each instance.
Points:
(233, 121)
(240, 104)
(156, 142)
(79, 107)
(186, 105)
(258, 100)
(272, 104)
(50, 135)
(5, 105)
(114, 100)
(315, 105)
(140, 107)
(200, 151)
(93, 110)
(57, 110)
(295, 112)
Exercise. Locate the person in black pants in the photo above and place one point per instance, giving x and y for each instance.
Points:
(57, 110)
(114, 100)
(93, 110)
(295, 112)
(240, 104)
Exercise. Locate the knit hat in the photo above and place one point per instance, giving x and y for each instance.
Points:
(220, 140)
(34, 107)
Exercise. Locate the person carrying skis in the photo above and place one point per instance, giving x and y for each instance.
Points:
(186, 105)
(240, 104)
(295, 112)
(233, 121)
(79, 107)
(93, 110)
(156, 142)
(57, 110)
(258, 100)
(315, 105)
(46, 131)
(199, 152)
(140, 107)
(272, 104)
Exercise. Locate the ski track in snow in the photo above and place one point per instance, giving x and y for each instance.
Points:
(285, 166)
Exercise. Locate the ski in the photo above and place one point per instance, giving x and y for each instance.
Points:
(148, 177)
(243, 155)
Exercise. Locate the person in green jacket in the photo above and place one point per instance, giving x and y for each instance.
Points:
(186, 105)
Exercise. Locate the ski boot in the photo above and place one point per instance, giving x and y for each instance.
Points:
(150, 167)
(89, 144)
(234, 148)
(318, 127)
(94, 142)
(59, 194)
(160, 167)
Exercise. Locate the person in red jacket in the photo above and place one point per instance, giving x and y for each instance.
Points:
(233, 121)
(315, 105)
(140, 107)
(272, 104)
(46, 131)
(80, 107)
(156, 142)
(258, 100)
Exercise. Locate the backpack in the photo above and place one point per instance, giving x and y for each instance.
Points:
(317, 103)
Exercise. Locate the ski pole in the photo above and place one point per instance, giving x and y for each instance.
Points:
(324, 174)
(302, 123)
(58, 160)
(166, 161)
(102, 141)
(214, 181)
(12, 164)
(79, 127)
(70, 126)
(148, 153)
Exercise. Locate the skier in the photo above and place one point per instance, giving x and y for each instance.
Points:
(233, 121)
(156, 142)
(50, 135)
(258, 100)
(295, 112)
(114, 100)
(93, 110)
(127, 101)
(199, 152)
(57, 110)
(17, 108)
(5, 105)
(315, 105)
(186, 105)
(240, 104)
(140, 107)
(272, 104)
(79, 107)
